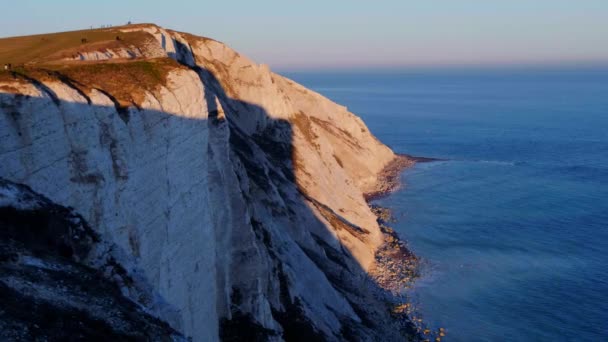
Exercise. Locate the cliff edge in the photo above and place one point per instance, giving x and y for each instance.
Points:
(232, 199)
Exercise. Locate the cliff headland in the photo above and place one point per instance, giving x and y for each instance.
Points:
(157, 184)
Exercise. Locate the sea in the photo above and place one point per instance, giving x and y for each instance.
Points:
(511, 224)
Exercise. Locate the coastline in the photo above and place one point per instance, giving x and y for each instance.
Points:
(389, 177)
(397, 267)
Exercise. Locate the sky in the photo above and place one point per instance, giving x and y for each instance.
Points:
(333, 34)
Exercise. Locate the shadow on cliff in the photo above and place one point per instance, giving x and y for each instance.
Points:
(266, 178)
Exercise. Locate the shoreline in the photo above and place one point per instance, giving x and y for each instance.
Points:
(389, 178)
(396, 266)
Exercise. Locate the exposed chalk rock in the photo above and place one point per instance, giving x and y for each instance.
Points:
(232, 195)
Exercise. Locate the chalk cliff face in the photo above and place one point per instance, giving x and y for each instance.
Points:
(232, 197)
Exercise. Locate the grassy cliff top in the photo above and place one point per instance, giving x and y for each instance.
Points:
(42, 58)
(125, 81)
(43, 48)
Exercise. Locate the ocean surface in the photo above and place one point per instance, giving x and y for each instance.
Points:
(512, 226)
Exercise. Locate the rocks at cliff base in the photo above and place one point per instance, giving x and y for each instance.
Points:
(224, 200)
(388, 178)
(396, 266)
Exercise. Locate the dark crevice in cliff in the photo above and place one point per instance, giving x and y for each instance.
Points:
(40, 86)
(243, 327)
(333, 254)
(292, 317)
(254, 169)
(123, 112)
(296, 325)
(273, 144)
(11, 108)
(70, 83)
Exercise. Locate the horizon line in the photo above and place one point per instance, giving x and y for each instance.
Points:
(586, 64)
(377, 66)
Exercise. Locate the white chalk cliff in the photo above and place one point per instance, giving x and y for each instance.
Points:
(232, 196)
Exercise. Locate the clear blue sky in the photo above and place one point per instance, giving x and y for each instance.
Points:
(353, 33)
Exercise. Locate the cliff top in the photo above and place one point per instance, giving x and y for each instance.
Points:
(107, 59)
(228, 200)
(52, 47)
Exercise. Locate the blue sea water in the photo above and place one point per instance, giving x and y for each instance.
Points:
(512, 226)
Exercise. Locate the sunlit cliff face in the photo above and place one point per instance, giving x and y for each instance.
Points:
(234, 196)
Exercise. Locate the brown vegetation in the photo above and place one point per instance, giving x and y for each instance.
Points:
(337, 131)
(302, 122)
(126, 82)
(45, 48)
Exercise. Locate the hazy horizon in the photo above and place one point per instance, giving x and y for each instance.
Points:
(345, 35)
